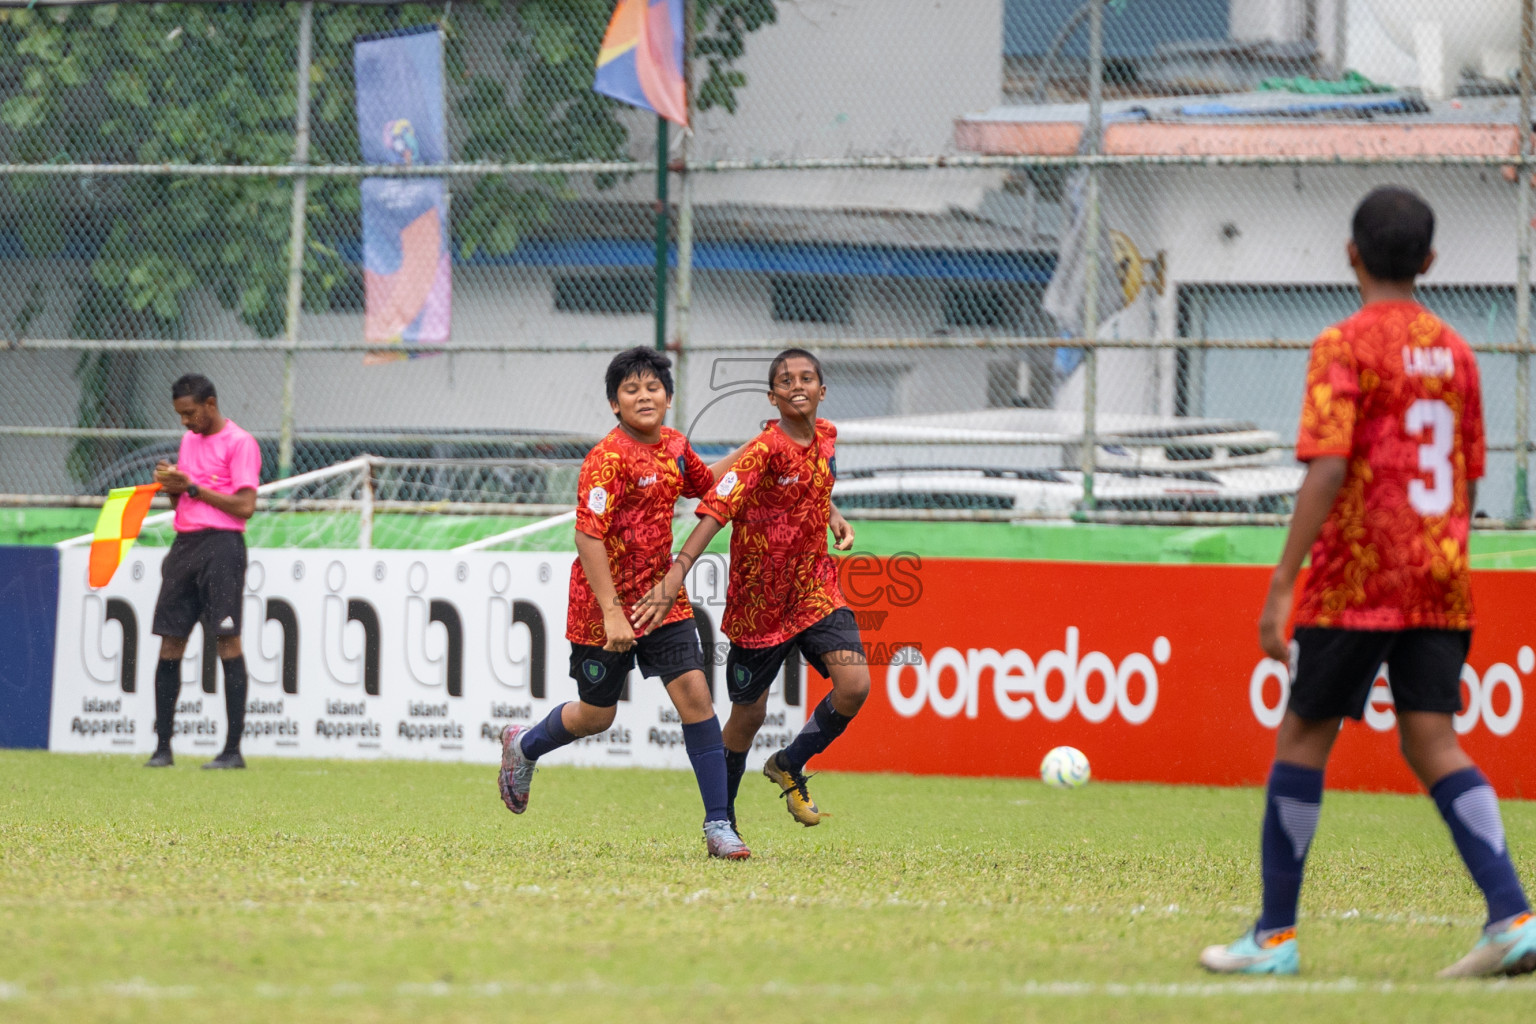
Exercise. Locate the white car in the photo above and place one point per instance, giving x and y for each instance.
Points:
(1053, 492)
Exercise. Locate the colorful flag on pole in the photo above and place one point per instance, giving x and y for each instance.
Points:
(117, 528)
(407, 266)
(641, 62)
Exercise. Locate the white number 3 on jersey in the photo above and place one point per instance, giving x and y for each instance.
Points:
(1435, 416)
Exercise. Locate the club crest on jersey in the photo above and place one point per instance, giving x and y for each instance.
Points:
(594, 670)
(597, 500)
(727, 484)
(1428, 362)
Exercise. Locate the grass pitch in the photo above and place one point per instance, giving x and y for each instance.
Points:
(341, 891)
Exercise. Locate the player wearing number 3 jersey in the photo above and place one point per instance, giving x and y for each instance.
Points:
(1394, 391)
(1392, 432)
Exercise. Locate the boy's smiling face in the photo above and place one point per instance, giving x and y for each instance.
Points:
(642, 404)
(797, 389)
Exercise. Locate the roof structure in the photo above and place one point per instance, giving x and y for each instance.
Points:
(1255, 124)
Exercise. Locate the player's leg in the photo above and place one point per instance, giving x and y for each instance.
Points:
(672, 654)
(222, 586)
(599, 676)
(1332, 672)
(833, 647)
(176, 612)
(1425, 670)
(749, 672)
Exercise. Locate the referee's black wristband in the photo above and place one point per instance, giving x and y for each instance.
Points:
(193, 490)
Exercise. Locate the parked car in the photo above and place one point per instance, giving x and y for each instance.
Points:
(1053, 492)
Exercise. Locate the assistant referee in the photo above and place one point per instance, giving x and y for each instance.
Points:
(213, 485)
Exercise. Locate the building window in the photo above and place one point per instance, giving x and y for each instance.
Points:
(605, 293)
(981, 306)
(811, 300)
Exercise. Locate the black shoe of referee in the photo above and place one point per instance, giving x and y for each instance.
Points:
(228, 759)
(161, 759)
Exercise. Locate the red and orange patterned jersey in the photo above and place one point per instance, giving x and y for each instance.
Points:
(778, 496)
(625, 498)
(1395, 391)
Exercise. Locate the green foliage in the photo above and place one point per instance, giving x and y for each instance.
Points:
(215, 84)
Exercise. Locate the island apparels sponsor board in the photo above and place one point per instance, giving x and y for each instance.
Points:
(1153, 671)
(401, 654)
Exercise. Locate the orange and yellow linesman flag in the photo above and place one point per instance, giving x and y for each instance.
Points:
(117, 528)
(641, 60)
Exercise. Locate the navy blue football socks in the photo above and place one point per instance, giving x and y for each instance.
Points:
(707, 753)
(735, 768)
(825, 725)
(167, 689)
(234, 701)
(1292, 803)
(1470, 808)
(550, 734)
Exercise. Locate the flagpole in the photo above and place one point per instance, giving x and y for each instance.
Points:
(661, 233)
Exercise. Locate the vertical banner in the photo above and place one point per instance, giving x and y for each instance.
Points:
(407, 263)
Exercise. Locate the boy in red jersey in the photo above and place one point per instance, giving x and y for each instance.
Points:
(1392, 429)
(783, 589)
(629, 486)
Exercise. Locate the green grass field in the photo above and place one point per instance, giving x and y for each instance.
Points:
(327, 891)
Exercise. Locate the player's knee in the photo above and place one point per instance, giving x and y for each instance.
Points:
(690, 695)
(749, 716)
(229, 647)
(172, 648)
(852, 689)
(589, 719)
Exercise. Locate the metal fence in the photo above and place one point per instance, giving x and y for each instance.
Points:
(1058, 258)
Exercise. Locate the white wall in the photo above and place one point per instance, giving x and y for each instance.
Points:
(834, 78)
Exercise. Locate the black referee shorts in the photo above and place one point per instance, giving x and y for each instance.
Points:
(1332, 670)
(202, 580)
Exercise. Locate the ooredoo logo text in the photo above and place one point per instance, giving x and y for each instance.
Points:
(1493, 699)
(1057, 683)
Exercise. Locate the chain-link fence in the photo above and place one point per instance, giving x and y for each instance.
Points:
(1057, 257)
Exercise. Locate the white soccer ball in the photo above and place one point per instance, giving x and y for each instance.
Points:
(1065, 768)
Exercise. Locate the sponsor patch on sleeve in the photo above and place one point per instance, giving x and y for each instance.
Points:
(597, 500)
(727, 484)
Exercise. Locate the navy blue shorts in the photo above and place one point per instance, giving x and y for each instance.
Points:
(667, 652)
(1332, 670)
(749, 671)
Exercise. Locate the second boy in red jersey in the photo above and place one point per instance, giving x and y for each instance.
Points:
(1392, 431)
(628, 489)
(783, 589)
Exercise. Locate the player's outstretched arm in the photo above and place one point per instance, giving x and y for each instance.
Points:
(594, 562)
(651, 609)
(719, 469)
(1325, 475)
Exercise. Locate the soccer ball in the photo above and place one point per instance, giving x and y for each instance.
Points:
(1065, 768)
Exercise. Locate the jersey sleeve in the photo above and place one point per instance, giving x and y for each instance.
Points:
(244, 464)
(598, 490)
(725, 499)
(1332, 401)
(697, 478)
(1474, 445)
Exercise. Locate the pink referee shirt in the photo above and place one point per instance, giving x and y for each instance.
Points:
(223, 462)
